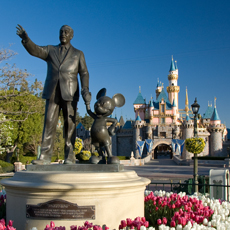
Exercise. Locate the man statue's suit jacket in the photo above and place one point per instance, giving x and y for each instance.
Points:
(65, 71)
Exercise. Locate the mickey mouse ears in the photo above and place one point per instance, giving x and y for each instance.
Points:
(119, 100)
(101, 93)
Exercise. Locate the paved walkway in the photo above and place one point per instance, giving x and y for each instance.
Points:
(166, 169)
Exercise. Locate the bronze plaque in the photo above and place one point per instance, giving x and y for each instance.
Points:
(60, 209)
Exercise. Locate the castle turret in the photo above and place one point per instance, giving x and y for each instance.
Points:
(151, 108)
(216, 130)
(139, 105)
(158, 89)
(173, 89)
(137, 133)
(174, 108)
(187, 132)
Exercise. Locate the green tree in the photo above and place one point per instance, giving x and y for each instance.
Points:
(23, 108)
(87, 121)
(12, 79)
(6, 134)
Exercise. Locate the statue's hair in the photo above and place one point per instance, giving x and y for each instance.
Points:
(71, 30)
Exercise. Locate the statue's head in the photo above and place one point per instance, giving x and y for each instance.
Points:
(65, 34)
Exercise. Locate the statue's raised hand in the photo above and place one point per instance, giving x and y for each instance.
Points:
(21, 32)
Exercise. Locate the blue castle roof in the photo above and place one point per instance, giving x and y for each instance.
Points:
(139, 99)
(151, 104)
(187, 118)
(127, 125)
(164, 96)
(80, 126)
(172, 67)
(215, 116)
(208, 113)
(138, 118)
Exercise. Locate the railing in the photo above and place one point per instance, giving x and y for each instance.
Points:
(189, 188)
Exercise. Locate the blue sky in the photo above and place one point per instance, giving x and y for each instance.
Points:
(129, 43)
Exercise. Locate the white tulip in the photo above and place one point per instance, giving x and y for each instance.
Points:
(143, 228)
(205, 221)
(213, 223)
(179, 227)
(151, 228)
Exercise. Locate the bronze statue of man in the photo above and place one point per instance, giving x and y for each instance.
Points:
(61, 89)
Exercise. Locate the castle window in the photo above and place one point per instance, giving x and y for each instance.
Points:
(162, 108)
(162, 120)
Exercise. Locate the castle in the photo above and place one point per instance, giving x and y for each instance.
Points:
(162, 121)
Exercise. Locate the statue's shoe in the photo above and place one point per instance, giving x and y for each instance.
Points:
(113, 160)
(94, 159)
(69, 162)
(40, 162)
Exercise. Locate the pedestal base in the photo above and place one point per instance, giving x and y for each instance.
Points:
(115, 196)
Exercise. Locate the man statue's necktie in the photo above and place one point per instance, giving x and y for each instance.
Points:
(62, 53)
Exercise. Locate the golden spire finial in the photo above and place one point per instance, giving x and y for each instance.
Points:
(186, 101)
(162, 85)
(215, 102)
(172, 57)
(139, 89)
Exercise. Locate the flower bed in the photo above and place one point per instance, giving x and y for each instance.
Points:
(178, 211)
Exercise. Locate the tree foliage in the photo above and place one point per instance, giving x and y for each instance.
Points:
(6, 134)
(86, 121)
(14, 83)
(195, 145)
(20, 106)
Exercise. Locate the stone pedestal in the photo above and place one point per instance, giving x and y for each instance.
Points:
(17, 166)
(109, 192)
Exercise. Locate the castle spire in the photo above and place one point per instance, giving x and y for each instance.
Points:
(172, 66)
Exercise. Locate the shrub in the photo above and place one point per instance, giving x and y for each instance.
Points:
(194, 145)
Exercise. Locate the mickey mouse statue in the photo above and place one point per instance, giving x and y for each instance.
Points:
(100, 135)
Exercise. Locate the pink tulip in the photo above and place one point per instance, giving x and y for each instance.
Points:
(120, 227)
(146, 224)
(137, 219)
(159, 222)
(197, 218)
(52, 225)
(138, 226)
(123, 224)
(172, 224)
(106, 228)
(164, 220)
(156, 208)
(10, 223)
(2, 221)
(183, 220)
(129, 222)
(73, 227)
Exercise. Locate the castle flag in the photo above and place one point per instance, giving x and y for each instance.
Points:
(140, 147)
